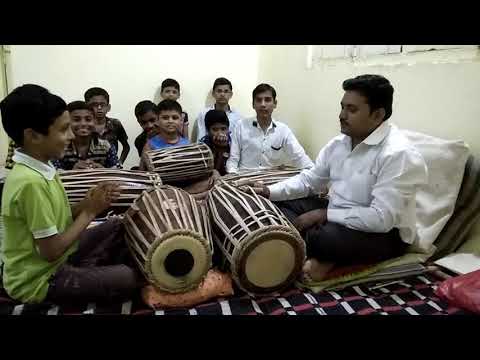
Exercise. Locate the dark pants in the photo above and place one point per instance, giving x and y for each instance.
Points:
(336, 243)
(100, 270)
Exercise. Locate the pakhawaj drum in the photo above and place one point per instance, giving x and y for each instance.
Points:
(168, 234)
(264, 251)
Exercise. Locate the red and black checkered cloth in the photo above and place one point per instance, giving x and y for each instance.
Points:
(412, 296)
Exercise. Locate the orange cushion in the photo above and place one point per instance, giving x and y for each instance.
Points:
(215, 284)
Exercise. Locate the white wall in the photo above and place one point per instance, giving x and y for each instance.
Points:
(435, 93)
(134, 73)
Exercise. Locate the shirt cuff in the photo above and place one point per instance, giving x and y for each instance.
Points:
(337, 215)
(43, 233)
(275, 192)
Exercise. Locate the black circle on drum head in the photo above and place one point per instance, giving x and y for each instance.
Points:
(179, 262)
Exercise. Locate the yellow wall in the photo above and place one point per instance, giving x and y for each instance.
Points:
(437, 93)
(134, 73)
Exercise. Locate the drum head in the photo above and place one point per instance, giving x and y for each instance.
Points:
(268, 262)
(178, 261)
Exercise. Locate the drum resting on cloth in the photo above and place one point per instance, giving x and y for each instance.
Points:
(168, 234)
(132, 184)
(181, 165)
(263, 250)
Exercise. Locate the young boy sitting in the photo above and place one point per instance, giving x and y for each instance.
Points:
(169, 117)
(170, 90)
(222, 92)
(218, 138)
(107, 128)
(86, 150)
(48, 255)
(146, 113)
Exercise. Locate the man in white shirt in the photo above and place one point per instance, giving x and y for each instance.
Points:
(222, 92)
(263, 142)
(373, 172)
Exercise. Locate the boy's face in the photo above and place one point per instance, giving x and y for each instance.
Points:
(100, 106)
(170, 93)
(53, 145)
(148, 122)
(218, 132)
(264, 105)
(222, 94)
(169, 121)
(82, 122)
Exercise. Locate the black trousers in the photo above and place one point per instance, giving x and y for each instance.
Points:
(336, 243)
(100, 270)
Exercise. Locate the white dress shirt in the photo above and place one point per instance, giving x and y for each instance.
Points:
(252, 148)
(233, 118)
(372, 188)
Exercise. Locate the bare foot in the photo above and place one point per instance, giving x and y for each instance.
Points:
(314, 270)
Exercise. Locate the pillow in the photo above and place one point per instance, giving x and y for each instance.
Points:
(467, 213)
(435, 200)
(216, 284)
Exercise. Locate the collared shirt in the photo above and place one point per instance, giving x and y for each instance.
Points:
(373, 186)
(233, 118)
(252, 148)
(34, 206)
(99, 151)
(113, 132)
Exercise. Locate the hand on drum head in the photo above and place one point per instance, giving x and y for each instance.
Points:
(257, 187)
(310, 218)
(100, 198)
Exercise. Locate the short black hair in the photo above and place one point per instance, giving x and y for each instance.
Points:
(262, 88)
(376, 88)
(168, 105)
(96, 91)
(30, 107)
(170, 82)
(145, 106)
(79, 105)
(222, 81)
(216, 117)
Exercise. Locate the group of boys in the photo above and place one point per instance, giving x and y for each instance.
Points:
(371, 169)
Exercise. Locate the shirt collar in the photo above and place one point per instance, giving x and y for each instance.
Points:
(378, 134)
(229, 110)
(272, 124)
(47, 171)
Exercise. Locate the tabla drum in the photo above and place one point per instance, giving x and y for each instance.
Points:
(263, 250)
(132, 184)
(168, 234)
(181, 165)
(265, 176)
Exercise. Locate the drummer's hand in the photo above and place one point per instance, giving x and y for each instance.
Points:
(81, 164)
(311, 218)
(100, 198)
(258, 188)
(93, 164)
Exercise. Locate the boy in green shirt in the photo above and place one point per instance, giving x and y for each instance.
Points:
(48, 253)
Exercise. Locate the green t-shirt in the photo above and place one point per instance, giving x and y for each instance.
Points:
(33, 207)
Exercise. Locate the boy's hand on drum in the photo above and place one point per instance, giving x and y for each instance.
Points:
(81, 164)
(311, 218)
